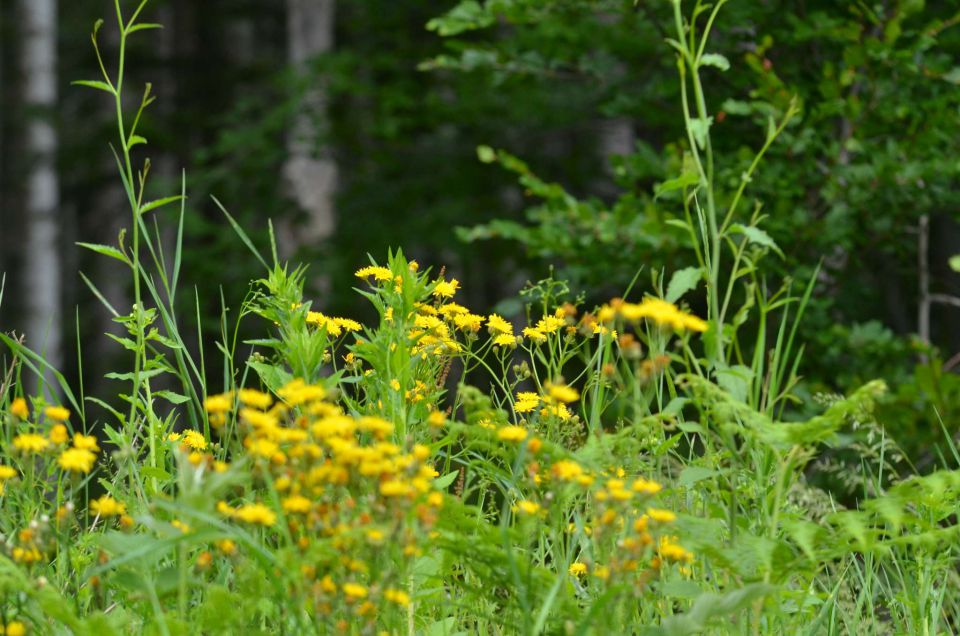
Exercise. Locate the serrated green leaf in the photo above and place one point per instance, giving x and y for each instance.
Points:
(757, 236)
(682, 281)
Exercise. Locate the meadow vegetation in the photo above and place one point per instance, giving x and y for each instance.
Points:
(627, 467)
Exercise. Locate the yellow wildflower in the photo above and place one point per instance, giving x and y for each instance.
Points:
(534, 334)
(19, 408)
(354, 591)
(255, 398)
(562, 393)
(78, 460)
(577, 569)
(85, 442)
(218, 403)
(57, 413)
(566, 470)
(378, 273)
(512, 434)
(296, 504)
(399, 597)
(498, 325)
(527, 507)
(445, 289)
(59, 434)
(255, 513)
(7, 472)
(505, 340)
(645, 486)
(107, 506)
(30, 443)
(661, 516)
(526, 402)
(16, 628)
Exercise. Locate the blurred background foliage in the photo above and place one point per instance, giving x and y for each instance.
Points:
(501, 138)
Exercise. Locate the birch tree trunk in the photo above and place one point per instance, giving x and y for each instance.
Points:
(310, 173)
(41, 266)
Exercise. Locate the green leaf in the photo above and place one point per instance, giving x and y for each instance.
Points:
(158, 203)
(756, 235)
(466, 16)
(682, 281)
(144, 26)
(155, 473)
(692, 474)
(135, 140)
(953, 76)
(709, 607)
(100, 86)
(735, 380)
(106, 250)
(172, 397)
(955, 263)
(716, 60)
(700, 128)
(442, 483)
(685, 180)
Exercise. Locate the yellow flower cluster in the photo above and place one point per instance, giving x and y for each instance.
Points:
(340, 478)
(659, 311)
(335, 326)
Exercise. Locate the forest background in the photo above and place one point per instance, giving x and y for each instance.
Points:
(362, 125)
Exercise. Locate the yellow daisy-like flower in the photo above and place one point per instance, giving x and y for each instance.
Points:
(348, 324)
(354, 591)
(468, 322)
(59, 434)
(512, 434)
(296, 504)
(498, 325)
(378, 273)
(255, 398)
(526, 402)
(19, 408)
(316, 318)
(16, 628)
(7, 472)
(566, 470)
(527, 507)
(57, 413)
(436, 419)
(534, 334)
(255, 513)
(505, 340)
(399, 597)
(452, 309)
(446, 289)
(562, 393)
(77, 460)
(30, 443)
(645, 486)
(85, 442)
(577, 569)
(107, 506)
(194, 439)
(661, 516)
(218, 403)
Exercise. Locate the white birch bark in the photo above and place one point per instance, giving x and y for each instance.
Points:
(41, 267)
(310, 173)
